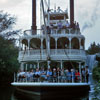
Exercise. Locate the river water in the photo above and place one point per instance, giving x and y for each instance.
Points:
(8, 93)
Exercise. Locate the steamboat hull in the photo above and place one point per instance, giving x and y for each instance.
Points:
(44, 91)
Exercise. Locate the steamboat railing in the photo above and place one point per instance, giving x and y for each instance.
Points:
(51, 79)
(52, 31)
(53, 52)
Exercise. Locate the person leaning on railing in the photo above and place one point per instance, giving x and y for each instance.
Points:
(83, 75)
(21, 76)
(77, 76)
(68, 76)
(31, 75)
(49, 75)
(59, 24)
(66, 71)
(54, 74)
(73, 75)
(58, 74)
(63, 75)
(37, 75)
(67, 24)
(42, 75)
(28, 76)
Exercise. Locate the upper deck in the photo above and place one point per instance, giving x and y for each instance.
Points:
(65, 44)
(56, 38)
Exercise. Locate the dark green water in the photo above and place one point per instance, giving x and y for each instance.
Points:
(8, 93)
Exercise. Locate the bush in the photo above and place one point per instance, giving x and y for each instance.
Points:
(96, 73)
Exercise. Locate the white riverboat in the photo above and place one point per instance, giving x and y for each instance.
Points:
(58, 47)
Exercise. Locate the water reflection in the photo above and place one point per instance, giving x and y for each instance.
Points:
(20, 97)
(80, 98)
(8, 93)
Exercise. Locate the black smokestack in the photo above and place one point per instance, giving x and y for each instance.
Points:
(34, 27)
(71, 12)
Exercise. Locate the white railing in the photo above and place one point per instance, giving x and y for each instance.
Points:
(66, 77)
(67, 51)
(60, 54)
(33, 32)
(72, 78)
(53, 31)
(52, 52)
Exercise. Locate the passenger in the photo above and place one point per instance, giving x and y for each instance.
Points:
(77, 76)
(67, 24)
(59, 10)
(49, 75)
(48, 30)
(66, 73)
(73, 75)
(74, 25)
(63, 75)
(32, 75)
(21, 76)
(77, 26)
(37, 75)
(58, 74)
(42, 74)
(83, 75)
(69, 76)
(87, 74)
(54, 75)
(59, 24)
(43, 28)
(18, 76)
(51, 27)
(28, 76)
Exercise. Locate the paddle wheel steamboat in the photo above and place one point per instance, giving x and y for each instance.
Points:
(52, 59)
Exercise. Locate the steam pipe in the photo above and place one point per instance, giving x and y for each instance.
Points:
(34, 27)
(71, 12)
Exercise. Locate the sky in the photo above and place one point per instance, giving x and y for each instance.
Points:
(87, 13)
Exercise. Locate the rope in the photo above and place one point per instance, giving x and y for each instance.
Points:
(45, 29)
(66, 54)
(40, 54)
(23, 54)
(46, 3)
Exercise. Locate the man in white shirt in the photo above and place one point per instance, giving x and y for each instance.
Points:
(67, 24)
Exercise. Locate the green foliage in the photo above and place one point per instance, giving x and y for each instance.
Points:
(96, 94)
(8, 50)
(94, 48)
(8, 57)
(96, 77)
(96, 73)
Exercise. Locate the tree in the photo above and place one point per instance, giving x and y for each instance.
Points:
(7, 23)
(96, 77)
(8, 49)
(8, 58)
(96, 72)
(94, 48)
(96, 94)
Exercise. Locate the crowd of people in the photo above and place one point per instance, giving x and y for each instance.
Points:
(67, 25)
(53, 75)
(61, 25)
